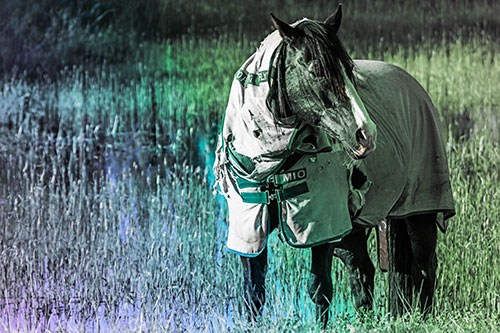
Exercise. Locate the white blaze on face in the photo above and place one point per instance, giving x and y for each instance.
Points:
(359, 111)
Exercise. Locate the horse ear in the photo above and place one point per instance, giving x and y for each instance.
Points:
(287, 32)
(334, 20)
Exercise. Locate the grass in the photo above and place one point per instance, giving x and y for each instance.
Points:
(107, 224)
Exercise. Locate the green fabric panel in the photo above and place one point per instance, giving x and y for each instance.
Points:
(255, 197)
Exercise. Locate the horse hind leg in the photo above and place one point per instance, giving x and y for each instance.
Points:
(412, 262)
(422, 231)
(254, 276)
(320, 281)
(400, 258)
(353, 252)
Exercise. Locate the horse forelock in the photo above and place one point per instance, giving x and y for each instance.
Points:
(322, 45)
(325, 46)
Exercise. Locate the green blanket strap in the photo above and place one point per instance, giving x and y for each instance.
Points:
(264, 197)
(260, 197)
(292, 192)
(255, 197)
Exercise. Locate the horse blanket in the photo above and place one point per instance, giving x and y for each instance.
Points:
(408, 171)
(254, 150)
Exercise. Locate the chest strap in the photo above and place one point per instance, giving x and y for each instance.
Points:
(265, 191)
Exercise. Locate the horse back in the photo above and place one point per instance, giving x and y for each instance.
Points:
(409, 167)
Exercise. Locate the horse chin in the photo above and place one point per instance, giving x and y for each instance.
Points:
(359, 157)
(362, 152)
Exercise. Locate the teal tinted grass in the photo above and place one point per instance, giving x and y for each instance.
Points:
(138, 244)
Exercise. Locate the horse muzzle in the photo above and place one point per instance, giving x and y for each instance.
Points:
(366, 144)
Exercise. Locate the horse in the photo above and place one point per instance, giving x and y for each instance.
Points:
(300, 98)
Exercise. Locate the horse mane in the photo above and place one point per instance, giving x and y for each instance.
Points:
(318, 39)
(323, 45)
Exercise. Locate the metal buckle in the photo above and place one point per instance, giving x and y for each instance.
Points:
(270, 196)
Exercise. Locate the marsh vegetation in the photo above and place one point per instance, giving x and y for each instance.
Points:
(107, 217)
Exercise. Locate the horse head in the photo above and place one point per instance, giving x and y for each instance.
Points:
(315, 75)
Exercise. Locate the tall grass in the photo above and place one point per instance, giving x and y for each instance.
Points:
(107, 224)
(169, 18)
(38, 39)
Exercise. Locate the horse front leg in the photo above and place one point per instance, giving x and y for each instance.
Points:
(320, 281)
(254, 276)
(353, 252)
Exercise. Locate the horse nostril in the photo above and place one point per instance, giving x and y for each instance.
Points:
(361, 136)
